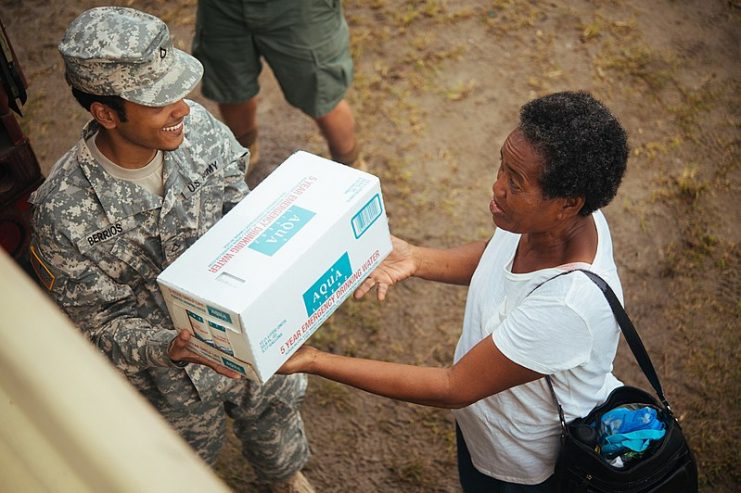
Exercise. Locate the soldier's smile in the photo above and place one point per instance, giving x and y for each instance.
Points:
(177, 128)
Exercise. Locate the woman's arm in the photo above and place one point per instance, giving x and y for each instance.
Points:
(452, 265)
(482, 372)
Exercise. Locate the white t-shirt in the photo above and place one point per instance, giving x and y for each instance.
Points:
(565, 329)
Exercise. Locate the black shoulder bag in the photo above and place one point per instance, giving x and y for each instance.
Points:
(667, 466)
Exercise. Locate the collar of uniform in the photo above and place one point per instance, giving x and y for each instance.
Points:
(183, 173)
(119, 198)
(186, 161)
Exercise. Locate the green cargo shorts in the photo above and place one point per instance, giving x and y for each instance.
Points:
(305, 42)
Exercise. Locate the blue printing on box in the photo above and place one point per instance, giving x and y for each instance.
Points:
(219, 314)
(327, 284)
(283, 229)
(232, 365)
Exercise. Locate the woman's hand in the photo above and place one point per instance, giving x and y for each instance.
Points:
(399, 265)
(300, 361)
(178, 351)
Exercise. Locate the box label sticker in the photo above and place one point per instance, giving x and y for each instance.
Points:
(283, 229)
(363, 220)
(327, 284)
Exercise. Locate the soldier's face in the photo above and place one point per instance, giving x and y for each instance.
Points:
(149, 127)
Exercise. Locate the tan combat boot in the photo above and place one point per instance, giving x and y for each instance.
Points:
(295, 484)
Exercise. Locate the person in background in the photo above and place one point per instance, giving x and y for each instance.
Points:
(563, 161)
(151, 173)
(305, 42)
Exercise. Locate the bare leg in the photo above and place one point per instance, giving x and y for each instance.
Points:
(241, 118)
(338, 128)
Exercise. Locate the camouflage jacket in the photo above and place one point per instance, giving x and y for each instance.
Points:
(100, 242)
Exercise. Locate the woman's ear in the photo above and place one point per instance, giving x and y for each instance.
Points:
(571, 206)
(104, 115)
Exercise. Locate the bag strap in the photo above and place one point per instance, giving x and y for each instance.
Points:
(629, 332)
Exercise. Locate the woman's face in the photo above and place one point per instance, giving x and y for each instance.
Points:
(518, 204)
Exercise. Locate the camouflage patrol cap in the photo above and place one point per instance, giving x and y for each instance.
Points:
(119, 51)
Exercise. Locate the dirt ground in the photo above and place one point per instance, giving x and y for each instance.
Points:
(437, 88)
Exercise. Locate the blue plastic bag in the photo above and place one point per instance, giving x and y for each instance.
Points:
(629, 430)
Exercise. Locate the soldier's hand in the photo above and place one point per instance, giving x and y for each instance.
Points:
(179, 351)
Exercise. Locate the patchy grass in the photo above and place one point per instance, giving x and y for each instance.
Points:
(686, 187)
(412, 473)
(710, 366)
(353, 326)
(390, 77)
(326, 393)
(702, 257)
(693, 105)
(506, 16)
(631, 58)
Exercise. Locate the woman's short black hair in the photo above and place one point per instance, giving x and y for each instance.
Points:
(584, 147)
(116, 103)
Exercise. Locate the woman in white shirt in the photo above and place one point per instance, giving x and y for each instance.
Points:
(559, 166)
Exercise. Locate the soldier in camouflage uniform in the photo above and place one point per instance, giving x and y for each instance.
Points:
(152, 173)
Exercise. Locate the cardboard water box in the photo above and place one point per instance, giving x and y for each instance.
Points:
(271, 271)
